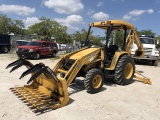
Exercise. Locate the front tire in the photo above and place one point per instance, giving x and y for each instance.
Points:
(124, 70)
(37, 56)
(5, 49)
(94, 80)
(53, 54)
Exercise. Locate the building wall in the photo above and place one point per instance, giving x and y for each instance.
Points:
(18, 37)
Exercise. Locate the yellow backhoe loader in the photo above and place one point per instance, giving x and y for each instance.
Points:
(48, 87)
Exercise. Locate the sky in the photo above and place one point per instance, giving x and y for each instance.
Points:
(77, 14)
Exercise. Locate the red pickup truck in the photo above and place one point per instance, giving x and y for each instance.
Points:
(36, 49)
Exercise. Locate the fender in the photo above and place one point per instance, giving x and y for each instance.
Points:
(115, 59)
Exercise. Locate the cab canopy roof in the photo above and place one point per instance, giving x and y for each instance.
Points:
(118, 24)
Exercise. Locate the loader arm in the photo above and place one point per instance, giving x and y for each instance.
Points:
(69, 66)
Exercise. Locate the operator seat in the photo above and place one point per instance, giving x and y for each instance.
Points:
(109, 54)
(112, 49)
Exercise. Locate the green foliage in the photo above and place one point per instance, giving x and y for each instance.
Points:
(17, 27)
(81, 36)
(77, 36)
(7, 25)
(47, 28)
(84, 33)
(117, 38)
(146, 32)
(96, 40)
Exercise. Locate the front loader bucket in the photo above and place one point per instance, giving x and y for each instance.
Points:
(139, 53)
(45, 90)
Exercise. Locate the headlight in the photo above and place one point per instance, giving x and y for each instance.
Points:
(31, 50)
(157, 52)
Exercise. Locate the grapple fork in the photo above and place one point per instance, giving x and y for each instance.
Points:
(45, 91)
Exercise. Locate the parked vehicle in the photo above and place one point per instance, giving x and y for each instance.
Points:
(36, 49)
(151, 54)
(5, 43)
(22, 42)
(61, 46)
(69, 48)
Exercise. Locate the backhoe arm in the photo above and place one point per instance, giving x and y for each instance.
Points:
(133, 37)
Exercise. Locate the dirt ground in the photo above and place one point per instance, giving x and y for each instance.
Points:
(136, 101)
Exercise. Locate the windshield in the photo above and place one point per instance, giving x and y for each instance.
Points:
(34, 44)
(21, 43)
(146, 41)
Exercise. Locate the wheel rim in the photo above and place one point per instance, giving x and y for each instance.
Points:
(37, 56)
(128, 71)
(97, 81)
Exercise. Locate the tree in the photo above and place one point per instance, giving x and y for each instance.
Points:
(7, 25)
(84, 33)
(17, 27)
(76, 36)
(117, 38)
(146, 32)
(48, 29)
(96, 40)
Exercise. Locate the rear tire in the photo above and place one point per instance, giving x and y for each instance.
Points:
(94, 80)
(124, 70)
(155, 62)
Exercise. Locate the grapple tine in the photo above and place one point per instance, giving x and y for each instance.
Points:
(13, 63)
(28, 64)
(20, 63)
(40, 70)
(30, 70)
(49, 73)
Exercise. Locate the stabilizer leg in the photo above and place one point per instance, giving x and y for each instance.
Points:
(143, 78)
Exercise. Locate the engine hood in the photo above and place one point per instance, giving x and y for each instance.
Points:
(84, 53)
(28, 47)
